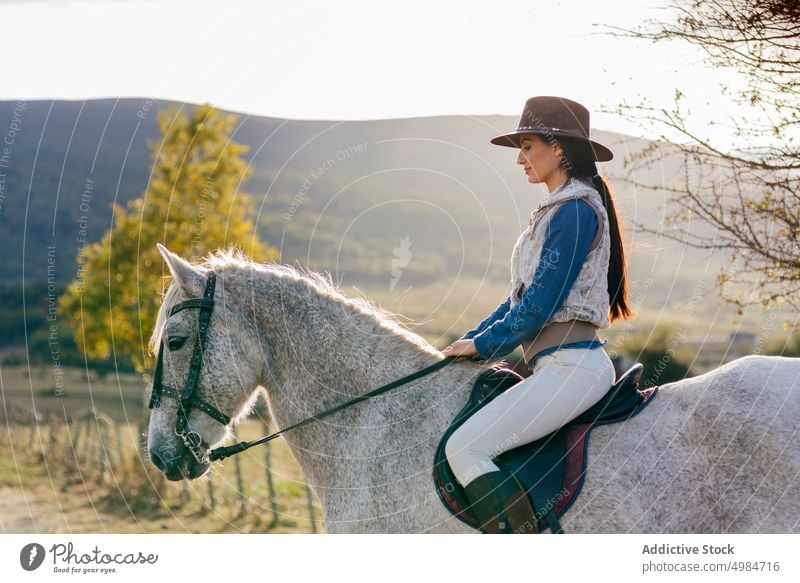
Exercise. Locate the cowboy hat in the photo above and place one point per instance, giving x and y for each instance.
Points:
(554, 117)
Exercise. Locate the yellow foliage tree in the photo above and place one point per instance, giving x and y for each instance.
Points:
(191, 205)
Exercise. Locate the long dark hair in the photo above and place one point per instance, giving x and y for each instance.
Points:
(578, 161)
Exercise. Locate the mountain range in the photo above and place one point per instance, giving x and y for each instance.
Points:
(388, 203)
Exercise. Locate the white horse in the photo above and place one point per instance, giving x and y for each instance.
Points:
(717, 453)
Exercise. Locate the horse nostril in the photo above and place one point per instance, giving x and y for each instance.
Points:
(157, 462)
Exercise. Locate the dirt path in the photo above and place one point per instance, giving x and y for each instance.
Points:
(40, 510)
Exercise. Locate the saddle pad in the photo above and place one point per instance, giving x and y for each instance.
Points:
(551, 469)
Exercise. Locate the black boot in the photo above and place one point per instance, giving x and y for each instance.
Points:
(500, 505)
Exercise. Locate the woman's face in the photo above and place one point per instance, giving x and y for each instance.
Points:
(541, 161)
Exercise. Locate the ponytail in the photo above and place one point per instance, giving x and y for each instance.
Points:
(578, 161)
(617, 269)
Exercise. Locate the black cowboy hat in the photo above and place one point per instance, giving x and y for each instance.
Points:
(554, 117)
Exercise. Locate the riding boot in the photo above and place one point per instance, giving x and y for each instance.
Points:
(497, 501)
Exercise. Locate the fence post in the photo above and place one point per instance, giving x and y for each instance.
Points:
(54, 432)
(77, 439)
(120, 447)
(185, 495)
(87, 438)
(273, 500)
(33, 433)
(212, 500)
(104, 462)
(310, 504)
(237, 462)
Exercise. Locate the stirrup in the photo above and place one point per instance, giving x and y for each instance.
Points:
(500, 505)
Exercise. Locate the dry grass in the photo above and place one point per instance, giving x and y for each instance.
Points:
(88, 475)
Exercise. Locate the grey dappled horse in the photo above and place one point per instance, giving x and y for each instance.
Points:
(716, 453)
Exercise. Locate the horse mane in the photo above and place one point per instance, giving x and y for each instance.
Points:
(318, 287)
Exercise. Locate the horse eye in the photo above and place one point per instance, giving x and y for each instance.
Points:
(175, 342)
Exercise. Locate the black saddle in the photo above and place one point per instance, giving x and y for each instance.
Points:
(551, 469)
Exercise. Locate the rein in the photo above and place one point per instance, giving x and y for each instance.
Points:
(223, 452)
(187, 398)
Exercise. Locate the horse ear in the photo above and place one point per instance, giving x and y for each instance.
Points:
(189, 277)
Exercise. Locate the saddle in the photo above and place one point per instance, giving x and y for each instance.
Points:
(551, 470)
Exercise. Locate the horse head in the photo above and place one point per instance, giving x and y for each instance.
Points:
(206, 379)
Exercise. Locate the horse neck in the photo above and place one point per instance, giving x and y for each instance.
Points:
(325, 352)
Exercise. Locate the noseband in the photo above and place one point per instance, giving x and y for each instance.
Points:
(187, 398)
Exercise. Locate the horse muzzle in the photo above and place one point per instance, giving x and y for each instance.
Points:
(178, 463)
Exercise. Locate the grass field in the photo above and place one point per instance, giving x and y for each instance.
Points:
(38, 494)
(56, 477)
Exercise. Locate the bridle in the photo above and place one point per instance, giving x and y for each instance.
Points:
(187, 398)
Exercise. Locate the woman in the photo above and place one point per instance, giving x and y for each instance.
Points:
(568, 281)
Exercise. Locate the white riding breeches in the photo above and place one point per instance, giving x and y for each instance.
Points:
(563, 384)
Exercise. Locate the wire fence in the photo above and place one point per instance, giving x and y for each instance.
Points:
(93, 450)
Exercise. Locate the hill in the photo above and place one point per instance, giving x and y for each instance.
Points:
(388, 205)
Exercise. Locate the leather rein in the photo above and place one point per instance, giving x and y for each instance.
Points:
(187, 397)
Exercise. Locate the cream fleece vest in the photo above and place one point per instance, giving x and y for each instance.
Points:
(588, 298)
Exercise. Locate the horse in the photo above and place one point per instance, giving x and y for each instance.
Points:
(715, 453)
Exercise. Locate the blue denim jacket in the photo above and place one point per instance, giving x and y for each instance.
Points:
(571, 231)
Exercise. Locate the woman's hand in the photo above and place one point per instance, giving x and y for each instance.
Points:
(464, 347)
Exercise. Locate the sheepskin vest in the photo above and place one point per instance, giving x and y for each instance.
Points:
(588, 298)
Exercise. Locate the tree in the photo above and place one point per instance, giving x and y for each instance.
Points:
(191, 205)
(662, 354)
(752, 201)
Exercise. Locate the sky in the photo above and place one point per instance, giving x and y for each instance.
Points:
(357, 60)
